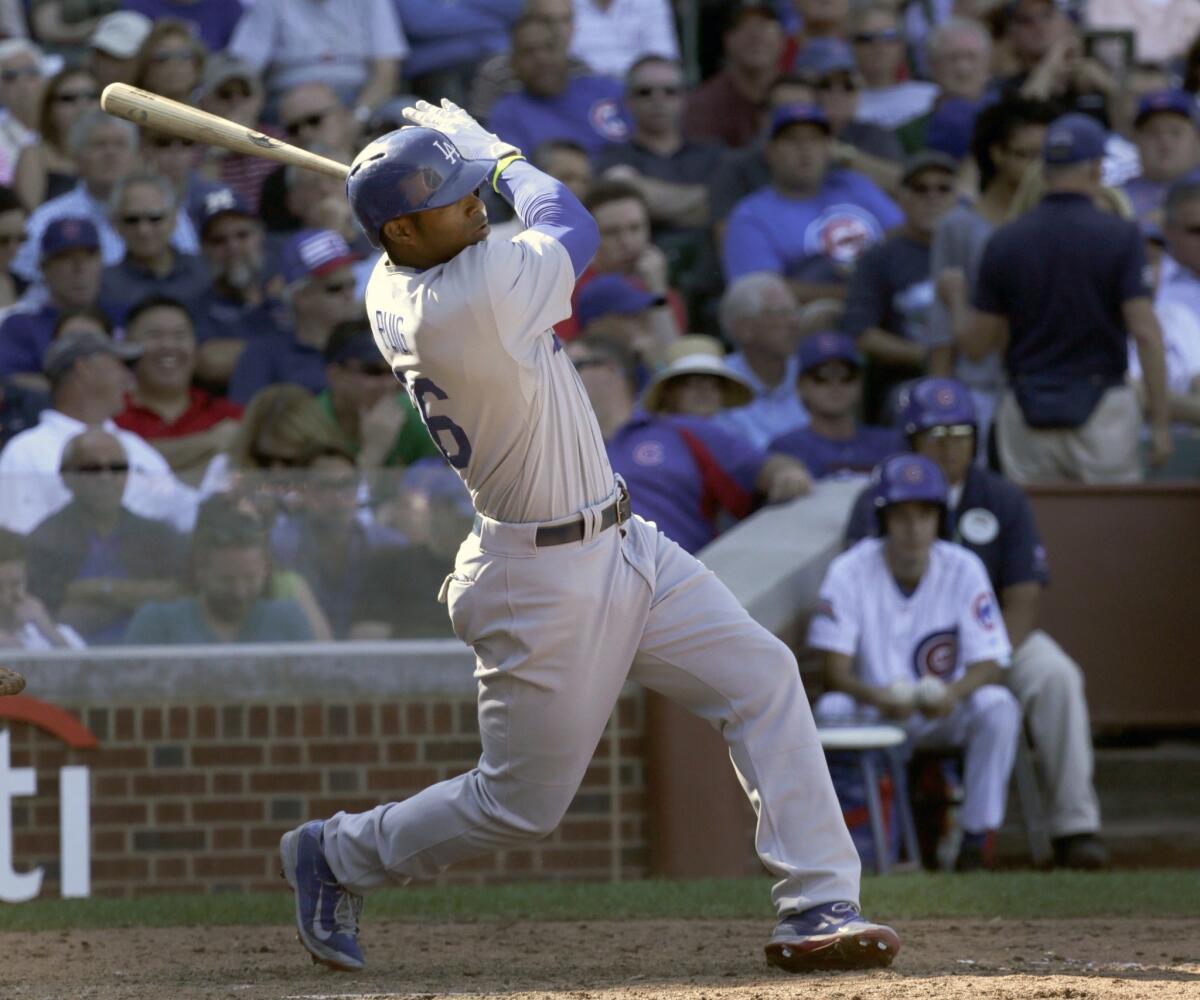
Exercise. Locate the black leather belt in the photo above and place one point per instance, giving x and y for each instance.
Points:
(617, 512)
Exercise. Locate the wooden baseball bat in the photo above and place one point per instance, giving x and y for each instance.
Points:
(161, 114)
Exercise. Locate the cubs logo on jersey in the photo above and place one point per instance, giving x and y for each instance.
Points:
(650, 453)
(984, 609)
(605, 117)
(842, 232)
(936, 655)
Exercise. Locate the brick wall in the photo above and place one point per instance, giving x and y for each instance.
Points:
(195, 797)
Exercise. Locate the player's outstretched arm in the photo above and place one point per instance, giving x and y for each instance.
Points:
(544, 204)
(541, 202)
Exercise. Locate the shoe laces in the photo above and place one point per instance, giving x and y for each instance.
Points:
(347, 912)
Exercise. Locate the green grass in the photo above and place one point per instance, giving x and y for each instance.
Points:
(895, 897)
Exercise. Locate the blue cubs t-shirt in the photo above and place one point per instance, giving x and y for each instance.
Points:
(588, 112)
(682, 472)
(826, 457)
(814, 239)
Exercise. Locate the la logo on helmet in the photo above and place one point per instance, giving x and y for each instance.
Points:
(447, 150)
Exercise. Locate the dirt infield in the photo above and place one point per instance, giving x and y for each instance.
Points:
(673, 960)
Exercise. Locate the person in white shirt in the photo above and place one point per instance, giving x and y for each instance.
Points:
(878, 53)
(355, 47)
(610, 35)
(88, 382)
(24, 621)
(20, 96)
(911, 631)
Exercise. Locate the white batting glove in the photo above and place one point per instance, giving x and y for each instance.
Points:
(472, 139)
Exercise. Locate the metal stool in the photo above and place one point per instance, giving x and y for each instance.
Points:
(861, 739)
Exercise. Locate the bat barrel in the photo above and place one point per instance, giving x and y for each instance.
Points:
(147, 110)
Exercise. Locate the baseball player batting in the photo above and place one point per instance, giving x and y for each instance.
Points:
(561, 593)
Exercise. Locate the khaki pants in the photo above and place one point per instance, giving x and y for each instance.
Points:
(1049, 686)
(1103, 450)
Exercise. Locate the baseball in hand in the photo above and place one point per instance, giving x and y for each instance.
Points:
(930, 692)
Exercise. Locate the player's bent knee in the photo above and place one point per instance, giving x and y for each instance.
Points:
(996, 709)
(527, 811)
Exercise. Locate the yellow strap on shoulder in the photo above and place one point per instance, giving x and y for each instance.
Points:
(501, 165)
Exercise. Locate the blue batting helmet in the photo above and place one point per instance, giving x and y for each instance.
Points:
(936, 402)
(409, 170)
(908, 479)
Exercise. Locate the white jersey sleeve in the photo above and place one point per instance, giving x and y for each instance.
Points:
(837, 620)
(981, 632)
(529, 282)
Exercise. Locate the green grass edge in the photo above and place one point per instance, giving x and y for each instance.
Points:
(1003, 895)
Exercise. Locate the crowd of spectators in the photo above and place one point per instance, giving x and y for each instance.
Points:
(804, 207)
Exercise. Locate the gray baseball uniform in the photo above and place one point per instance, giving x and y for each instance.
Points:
(558, 629)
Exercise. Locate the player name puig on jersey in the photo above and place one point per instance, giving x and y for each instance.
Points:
(387, 327)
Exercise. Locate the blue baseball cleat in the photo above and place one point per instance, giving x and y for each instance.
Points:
(326, 914)
(831, 936)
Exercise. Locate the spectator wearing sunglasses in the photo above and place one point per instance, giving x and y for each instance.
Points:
(317, 269)
(834, 444)
(143, 213)
(231, 89)
(886, 99)
(375, 415)
(671, 172)
(105, 150)
(891, 291)
(356, 48)
(46, 169)
(311, 115)
(828, 66)
(94, 562)
(170, 61)
(187, 425)
(88, 381)
(13, 218)
(70, 270)
(177, 159)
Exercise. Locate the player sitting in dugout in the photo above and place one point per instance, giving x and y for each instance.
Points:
(910, 631)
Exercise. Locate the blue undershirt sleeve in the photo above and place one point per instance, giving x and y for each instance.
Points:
(544, 204)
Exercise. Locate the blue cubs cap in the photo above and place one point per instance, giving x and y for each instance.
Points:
(821, 348)
(312, 253)
(218, 202)
(612, 293)
(1166, 102)
(69, 234)
(936, 402)
(822, 56)
(1073, 138)
(797, 114)
(908, 479)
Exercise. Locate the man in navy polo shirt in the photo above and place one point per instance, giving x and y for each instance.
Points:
(814, 221)
(684, 474)
(1059, 291)
(994, 519)
(552, 104)
(830, 384)
(317, 269)
(70, 268)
